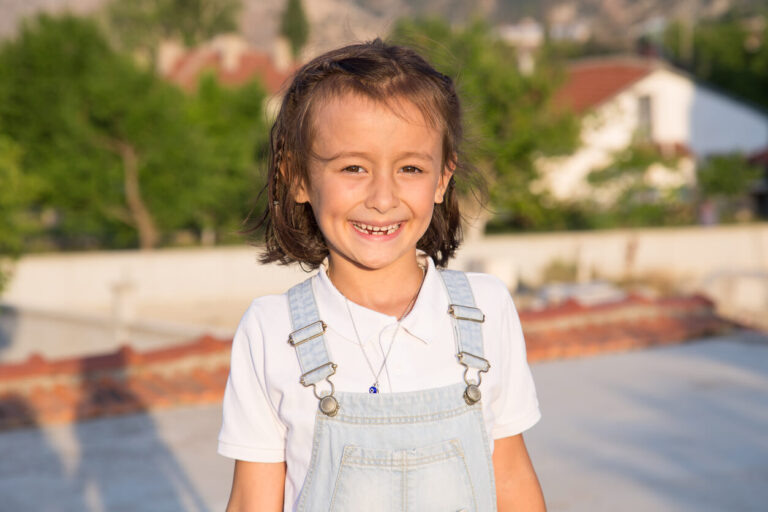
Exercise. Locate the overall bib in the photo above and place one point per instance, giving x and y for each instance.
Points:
(418, 451)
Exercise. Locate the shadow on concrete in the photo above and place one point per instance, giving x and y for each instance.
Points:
(34, 474)
(124, 463)
(678, 428)
(9, 320)
(93, 464)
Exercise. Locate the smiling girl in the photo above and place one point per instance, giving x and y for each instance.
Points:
(381, 383)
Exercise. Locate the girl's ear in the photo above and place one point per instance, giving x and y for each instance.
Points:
(442, 184)
(299, 191)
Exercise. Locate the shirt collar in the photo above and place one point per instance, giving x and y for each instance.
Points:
(430, 305)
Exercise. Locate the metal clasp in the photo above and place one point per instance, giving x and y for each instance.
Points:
(472, 393)
(307, 328)
(327, 402)
(465, 358)
(466, 313)
(313, 370)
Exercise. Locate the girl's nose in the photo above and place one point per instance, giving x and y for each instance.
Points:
(382, 192)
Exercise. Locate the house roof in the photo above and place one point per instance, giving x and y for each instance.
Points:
(42, 390)
(593, 81)
(249, 64)
(760, 157)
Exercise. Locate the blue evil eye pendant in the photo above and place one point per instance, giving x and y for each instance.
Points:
(373, 389)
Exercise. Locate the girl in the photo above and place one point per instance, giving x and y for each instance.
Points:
(380, 383)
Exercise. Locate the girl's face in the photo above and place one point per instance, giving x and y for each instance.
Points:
(375, 181)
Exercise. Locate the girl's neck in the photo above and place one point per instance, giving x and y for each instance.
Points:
(389, 291)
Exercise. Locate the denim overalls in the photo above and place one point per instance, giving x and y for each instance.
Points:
(417, 451)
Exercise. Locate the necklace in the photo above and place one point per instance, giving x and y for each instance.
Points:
(374, 388)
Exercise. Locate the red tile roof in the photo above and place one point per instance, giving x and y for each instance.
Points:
(591, 82)
(188, 68)
(760, 157)
(39, 391)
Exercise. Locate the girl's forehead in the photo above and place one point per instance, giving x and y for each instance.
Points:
(354, 122)
(353, 106)
(364, 125)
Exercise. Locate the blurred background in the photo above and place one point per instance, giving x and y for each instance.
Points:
(625, 146)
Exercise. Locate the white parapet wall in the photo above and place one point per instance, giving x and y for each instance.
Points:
(70, 304)
(688, 255)
(91, 280)
(159, 284)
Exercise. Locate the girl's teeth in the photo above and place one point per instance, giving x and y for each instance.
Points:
(376, 230)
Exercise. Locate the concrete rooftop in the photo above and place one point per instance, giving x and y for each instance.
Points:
(665, 429)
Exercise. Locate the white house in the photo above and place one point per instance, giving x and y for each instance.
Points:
(625, 98)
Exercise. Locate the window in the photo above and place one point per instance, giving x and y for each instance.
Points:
(644, 118)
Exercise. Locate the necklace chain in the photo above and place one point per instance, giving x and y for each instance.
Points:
(375, 386)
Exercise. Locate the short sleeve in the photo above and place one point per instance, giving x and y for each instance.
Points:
(516, 407)
(251, 429)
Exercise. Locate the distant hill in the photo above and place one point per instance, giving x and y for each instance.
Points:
(335, 22)
(13, 11)
(613, 22)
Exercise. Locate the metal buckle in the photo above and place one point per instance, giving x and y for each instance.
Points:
(327, 402)
(472, 393)
(456, 310)
(313, 370)
(296, 343)
(462, 355)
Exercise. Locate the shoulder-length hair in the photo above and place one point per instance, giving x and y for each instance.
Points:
(379, 71)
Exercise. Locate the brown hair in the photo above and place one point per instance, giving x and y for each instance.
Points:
(378, 71)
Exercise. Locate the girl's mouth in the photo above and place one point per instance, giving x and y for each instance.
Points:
(376, 230)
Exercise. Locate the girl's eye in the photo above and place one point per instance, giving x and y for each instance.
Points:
(409, 169)
(353, 169)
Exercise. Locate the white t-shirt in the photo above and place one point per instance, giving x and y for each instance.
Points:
(269, 416)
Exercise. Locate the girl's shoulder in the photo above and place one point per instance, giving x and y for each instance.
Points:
(486, 284)
(266, 305)
(269, 314)
(266, 316)
(489, 291)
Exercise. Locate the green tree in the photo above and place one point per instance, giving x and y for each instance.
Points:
(727, 176)
(140, 25)
(725, 183)
(509, 115)
(109, 145)
(236, 131)
(636, 202)
(294, 26)
(725, 53)
(11, 206)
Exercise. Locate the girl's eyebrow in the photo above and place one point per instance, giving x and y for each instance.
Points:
(362, 154)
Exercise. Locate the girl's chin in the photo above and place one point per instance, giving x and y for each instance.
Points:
(375, 262)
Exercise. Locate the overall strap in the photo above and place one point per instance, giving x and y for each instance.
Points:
(467, 319)
(469, 334)
(308, 338)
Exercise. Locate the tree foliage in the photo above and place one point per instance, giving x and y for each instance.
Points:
(294, 26)
(635, 200)
(509, 115)
(119, 157)
(630, 165)
(95, 129)
(726, 53)
(11, 205)
(140, 25)
(727, 176)
(236, 131)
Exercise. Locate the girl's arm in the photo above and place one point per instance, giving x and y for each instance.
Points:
(257, 486)
(517, 487)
